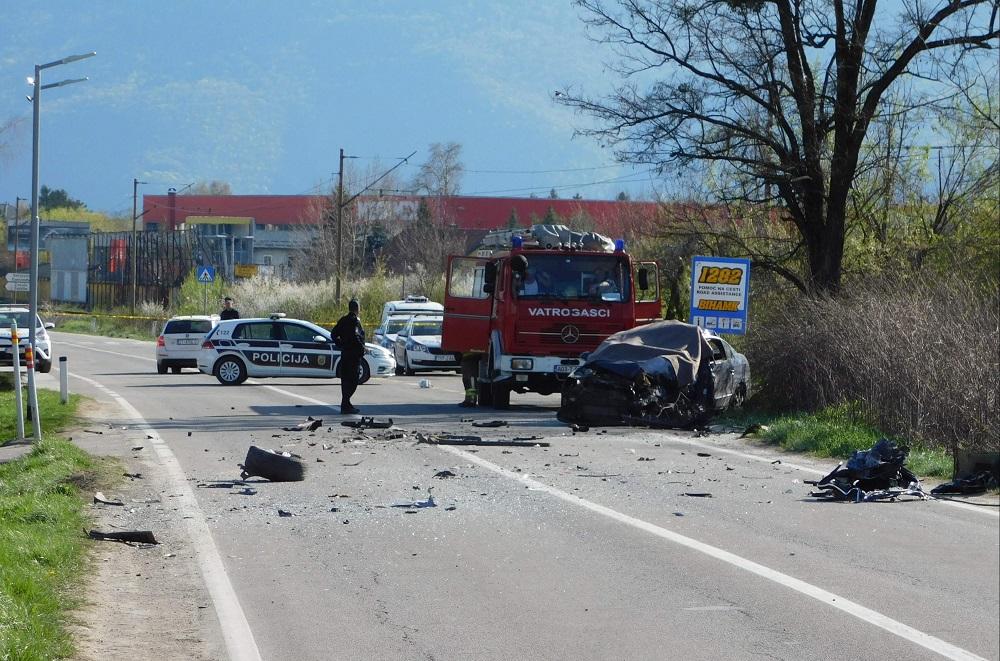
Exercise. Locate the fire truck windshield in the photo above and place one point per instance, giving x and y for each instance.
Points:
(574, 276)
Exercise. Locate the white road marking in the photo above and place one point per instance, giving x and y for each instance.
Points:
(236, 632)
(823, 596)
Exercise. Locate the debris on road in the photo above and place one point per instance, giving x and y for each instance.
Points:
(126, 536)
(271, 465)
(491, 423)
(425, 383)
(104, 500)
(874, 474)
(132, 476)
(968, 485)
(755, 428)
(697, 494)
(368, 422)
(443, 474)
(282, 512)
(577, 427)
(308, 425)
(454, 439)
(418, 504)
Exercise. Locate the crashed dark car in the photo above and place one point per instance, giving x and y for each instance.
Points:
(664, 374)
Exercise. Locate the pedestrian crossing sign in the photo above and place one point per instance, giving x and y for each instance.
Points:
(206, 274)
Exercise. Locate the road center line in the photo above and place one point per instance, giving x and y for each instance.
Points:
(830, 599)
(236, 632)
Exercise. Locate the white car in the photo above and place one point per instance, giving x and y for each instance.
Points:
(410, 306)
(238, 349)
(179, 344)
(418, 347)
(43, 343)
(385, 335)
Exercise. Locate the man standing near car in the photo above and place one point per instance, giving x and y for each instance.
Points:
(228, 311)
(350, 337)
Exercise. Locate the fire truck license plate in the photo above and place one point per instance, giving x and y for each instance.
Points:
(564, 369)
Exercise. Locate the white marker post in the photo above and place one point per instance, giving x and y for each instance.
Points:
(16, 364)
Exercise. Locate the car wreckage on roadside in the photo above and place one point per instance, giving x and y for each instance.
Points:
(663, 374)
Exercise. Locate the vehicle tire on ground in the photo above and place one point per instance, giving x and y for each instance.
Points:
(160, 368)
(484, 393)
(44, 366)
(230, 371)
(406, 366)
(364, 372)
(271, 466)
(501, 396)
(399, 370)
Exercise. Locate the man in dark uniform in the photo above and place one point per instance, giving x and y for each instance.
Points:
(350, 337)
(228, 311)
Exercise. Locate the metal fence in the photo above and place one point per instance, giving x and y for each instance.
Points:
(162, 261)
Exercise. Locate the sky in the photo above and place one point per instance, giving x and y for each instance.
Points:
(262, 95)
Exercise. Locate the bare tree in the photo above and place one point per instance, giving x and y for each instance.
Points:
(209, 188)
(776, 97)
(441, 174)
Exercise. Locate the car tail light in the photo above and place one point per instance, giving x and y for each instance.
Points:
(207, 344)
(160, 342)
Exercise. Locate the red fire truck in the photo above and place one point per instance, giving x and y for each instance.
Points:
(531, 310)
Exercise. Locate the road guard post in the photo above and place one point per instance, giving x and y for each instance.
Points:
(16, 365)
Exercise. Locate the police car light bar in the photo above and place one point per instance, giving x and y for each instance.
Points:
(276, 315)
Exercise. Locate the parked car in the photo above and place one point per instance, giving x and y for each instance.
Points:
(238, 349)
(180, 341)
(664, 374)
(43, 342)
(418, 347)
(385, 334)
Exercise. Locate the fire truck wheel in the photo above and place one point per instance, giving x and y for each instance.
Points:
(484, 393)
(501, 396)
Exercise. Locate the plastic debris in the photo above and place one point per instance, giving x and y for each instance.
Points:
(126, 536)
(271, 465)
(368, 422)
(104, 500)
(425, 383)
(874, 474)
(308, 425)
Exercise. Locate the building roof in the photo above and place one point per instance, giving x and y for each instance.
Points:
(464, 212)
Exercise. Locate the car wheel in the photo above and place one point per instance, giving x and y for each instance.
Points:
(44, 366)
(230, 371)
(406, 366)
(175, 370)
(160, 368)
(399, 370)
(364, 372)
(501, 396)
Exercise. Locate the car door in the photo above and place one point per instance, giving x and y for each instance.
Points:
(302, 354)
(257, 342)
(399, 346)
(723, 373)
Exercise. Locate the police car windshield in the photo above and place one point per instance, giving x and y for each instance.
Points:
(8, 316)
(429, 327)
(395, 325)
(572, 276)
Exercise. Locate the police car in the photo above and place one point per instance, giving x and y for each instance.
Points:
(43, 343)
(238, 349)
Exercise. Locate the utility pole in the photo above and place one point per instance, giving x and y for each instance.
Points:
(134, 251)
(340, 222)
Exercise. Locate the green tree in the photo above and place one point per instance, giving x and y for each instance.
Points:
(778, 96)
(53, 198)
(551, 217)
(553, 195)
(513, 222)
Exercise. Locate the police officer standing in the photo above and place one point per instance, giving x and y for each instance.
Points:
(228, 311)
(350, 337)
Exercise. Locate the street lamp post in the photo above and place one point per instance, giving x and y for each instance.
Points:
(33, 296)
(134, 250)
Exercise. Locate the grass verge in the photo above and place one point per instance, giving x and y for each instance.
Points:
(43, 554)
(836, 433)
(106, 326)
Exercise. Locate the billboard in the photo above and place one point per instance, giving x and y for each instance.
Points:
(720, 294)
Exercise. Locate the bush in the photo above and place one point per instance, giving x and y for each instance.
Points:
(918, 358)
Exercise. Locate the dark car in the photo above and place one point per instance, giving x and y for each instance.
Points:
(664, 374)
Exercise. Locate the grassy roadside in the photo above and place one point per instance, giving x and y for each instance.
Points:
(43, 554)
(836, 433)
(106, 326)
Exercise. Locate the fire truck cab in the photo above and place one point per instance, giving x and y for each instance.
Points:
(531, 311)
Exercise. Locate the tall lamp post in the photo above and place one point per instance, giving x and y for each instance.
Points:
(135, 246)
(33, 296)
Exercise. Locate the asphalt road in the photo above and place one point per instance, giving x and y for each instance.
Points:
(587, 549)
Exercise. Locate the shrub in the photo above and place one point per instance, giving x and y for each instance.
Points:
(918, 358)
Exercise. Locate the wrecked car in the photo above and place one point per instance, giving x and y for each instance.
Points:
(664, 374)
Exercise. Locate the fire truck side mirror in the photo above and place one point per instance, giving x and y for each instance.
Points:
(489, 277)
(642, 275)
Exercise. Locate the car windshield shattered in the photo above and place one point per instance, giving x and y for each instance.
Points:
(574, 277)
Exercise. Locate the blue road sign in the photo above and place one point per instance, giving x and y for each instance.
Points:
(720, 294)
(206, 274)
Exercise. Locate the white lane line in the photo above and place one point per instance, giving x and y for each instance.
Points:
(823, 596)
(236, 632)
(675, 439)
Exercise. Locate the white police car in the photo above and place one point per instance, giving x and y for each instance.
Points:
(238, 349)
(43, 343)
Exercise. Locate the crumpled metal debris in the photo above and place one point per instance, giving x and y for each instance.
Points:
(457, 439)
(126, 536)
(971, 484)
(308, 425)
(878, 473)
(368, 422)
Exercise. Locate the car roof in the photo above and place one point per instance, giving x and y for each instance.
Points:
(194, 317)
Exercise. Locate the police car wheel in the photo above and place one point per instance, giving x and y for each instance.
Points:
(160, 368)
(406, 366)
(230, 372)
(364, 372)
